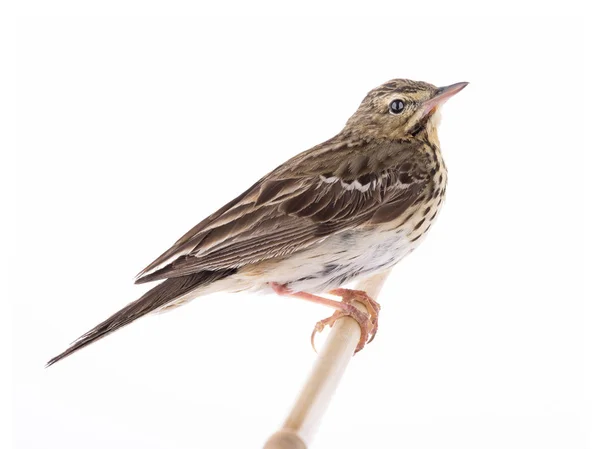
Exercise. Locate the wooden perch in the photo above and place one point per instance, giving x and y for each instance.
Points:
(332, 360)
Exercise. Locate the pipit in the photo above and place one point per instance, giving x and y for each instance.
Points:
(346, 209)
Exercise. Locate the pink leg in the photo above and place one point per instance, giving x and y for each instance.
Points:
(367, 322)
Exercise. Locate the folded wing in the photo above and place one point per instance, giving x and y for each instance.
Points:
(292, 208)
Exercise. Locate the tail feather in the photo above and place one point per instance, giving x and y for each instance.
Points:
(155, 298)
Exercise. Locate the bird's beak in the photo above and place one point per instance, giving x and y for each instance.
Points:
(441, 96)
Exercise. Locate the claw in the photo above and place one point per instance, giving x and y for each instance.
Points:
(363, 320)
(368, 322)
(372, 306)
(320, 325)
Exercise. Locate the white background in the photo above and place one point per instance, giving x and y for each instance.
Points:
(129, 130)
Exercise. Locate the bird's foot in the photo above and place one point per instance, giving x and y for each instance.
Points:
(368, 322)
(373, 307)
(362, 318)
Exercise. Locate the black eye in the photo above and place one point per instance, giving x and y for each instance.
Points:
(396, 106)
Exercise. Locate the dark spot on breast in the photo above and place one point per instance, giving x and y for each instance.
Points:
(408, 217)
(433, 216)
(427, 210)
(419, 224)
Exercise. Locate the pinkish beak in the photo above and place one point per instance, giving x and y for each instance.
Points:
(441, 96)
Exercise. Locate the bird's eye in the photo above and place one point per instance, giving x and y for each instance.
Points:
(396, 106)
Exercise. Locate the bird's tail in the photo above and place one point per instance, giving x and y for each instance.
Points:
(159, 296)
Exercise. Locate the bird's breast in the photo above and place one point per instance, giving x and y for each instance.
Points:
(353, 254)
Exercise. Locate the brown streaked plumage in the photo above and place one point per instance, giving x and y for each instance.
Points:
(348, 208)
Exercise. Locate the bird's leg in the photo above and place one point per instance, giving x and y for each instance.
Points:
(366, 321)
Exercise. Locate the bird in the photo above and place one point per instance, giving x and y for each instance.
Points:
(344, 210)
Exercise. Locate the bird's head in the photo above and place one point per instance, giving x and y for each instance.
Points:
(401, 108)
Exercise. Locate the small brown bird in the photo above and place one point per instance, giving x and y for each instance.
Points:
(346, 209)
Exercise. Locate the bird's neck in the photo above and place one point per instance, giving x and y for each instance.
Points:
(429, 133)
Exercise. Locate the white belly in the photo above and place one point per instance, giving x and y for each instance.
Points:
(340, 259)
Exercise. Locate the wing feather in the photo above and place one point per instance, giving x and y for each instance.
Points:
(294, 207)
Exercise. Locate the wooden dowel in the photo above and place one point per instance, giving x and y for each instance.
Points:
(333, 358)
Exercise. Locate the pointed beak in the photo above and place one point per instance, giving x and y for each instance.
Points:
(442, 95)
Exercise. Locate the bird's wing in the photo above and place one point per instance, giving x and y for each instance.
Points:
(314, 195)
